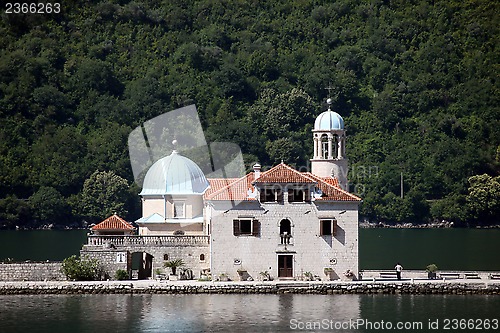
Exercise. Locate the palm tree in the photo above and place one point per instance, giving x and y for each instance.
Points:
(173, 264)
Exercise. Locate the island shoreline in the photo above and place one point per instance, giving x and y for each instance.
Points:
(408, 286)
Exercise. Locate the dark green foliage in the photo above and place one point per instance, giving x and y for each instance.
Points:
(13, 212)
(103, 194)
(121, 275)
(49, 206)
(484, 198)
(81, 269)
(416, 83)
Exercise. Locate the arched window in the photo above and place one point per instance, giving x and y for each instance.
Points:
(324, 146)
(202, 257)
(335, 146)
(165, 256)
(285, 231)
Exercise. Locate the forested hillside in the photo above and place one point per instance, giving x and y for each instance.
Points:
(415, 80)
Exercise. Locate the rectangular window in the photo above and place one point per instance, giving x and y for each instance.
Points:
(328, 227)
(178, 209)
(246, 227)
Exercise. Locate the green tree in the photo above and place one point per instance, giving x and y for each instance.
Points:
(58, 160)
(104, 193)
(14, 212)
(452, 207)
(49, 206)
(483, 198)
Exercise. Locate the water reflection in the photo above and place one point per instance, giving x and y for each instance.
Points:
(171, 313)
(230, 313)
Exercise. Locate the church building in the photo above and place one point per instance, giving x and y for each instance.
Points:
(278, 223)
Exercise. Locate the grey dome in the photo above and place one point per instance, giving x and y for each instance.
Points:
(329, 120)
(174, 174)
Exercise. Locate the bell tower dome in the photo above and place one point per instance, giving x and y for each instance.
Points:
(329, 158)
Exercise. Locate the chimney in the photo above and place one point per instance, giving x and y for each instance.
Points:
(256, 170)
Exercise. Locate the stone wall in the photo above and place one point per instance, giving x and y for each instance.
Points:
(311, 252)
(195, 257)
(109, 260)
(128, 287)
(31, 271)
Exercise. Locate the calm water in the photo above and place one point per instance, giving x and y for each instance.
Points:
(462, 249)
(379, 248)
(41, 245)
(234, 313)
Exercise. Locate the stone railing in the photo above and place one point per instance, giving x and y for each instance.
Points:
(103, 240)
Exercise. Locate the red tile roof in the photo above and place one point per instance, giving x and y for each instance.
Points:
(332, 192)
(283, 173)
(216, 184)
(331, 180)
(238, 189)
(114, 222)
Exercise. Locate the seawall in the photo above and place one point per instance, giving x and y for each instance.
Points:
(32, 271)
(273, 287)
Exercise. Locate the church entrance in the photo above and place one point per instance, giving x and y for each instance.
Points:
(142, 265)
(285, 266)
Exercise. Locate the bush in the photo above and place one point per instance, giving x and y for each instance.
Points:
(121, 274)
(431, 268)
(81, 269)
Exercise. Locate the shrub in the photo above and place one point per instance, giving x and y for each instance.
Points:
(121, 274)
(431, 268)
(81, 269)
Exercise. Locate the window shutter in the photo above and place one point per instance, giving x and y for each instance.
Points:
(321, 227)
(262, 195)
(255, 228)
(334, 228)
(236, 227)
(279, 195)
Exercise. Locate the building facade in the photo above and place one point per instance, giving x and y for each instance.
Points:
(279, 223)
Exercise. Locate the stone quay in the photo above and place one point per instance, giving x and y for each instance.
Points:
(251, 287)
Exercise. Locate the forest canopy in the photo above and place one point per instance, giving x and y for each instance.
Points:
(415, 81)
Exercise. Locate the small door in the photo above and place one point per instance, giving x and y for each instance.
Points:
(285, 266)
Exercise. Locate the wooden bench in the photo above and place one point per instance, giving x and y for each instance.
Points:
(445, 276)
(388, 275)
(494, 276)
(471, 276)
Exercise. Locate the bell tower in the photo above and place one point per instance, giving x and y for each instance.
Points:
(329, 158)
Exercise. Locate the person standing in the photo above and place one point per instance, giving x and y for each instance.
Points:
(398, 269)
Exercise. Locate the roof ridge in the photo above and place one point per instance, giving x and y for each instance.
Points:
(115, 219)
(287, 167)
(303, 174)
